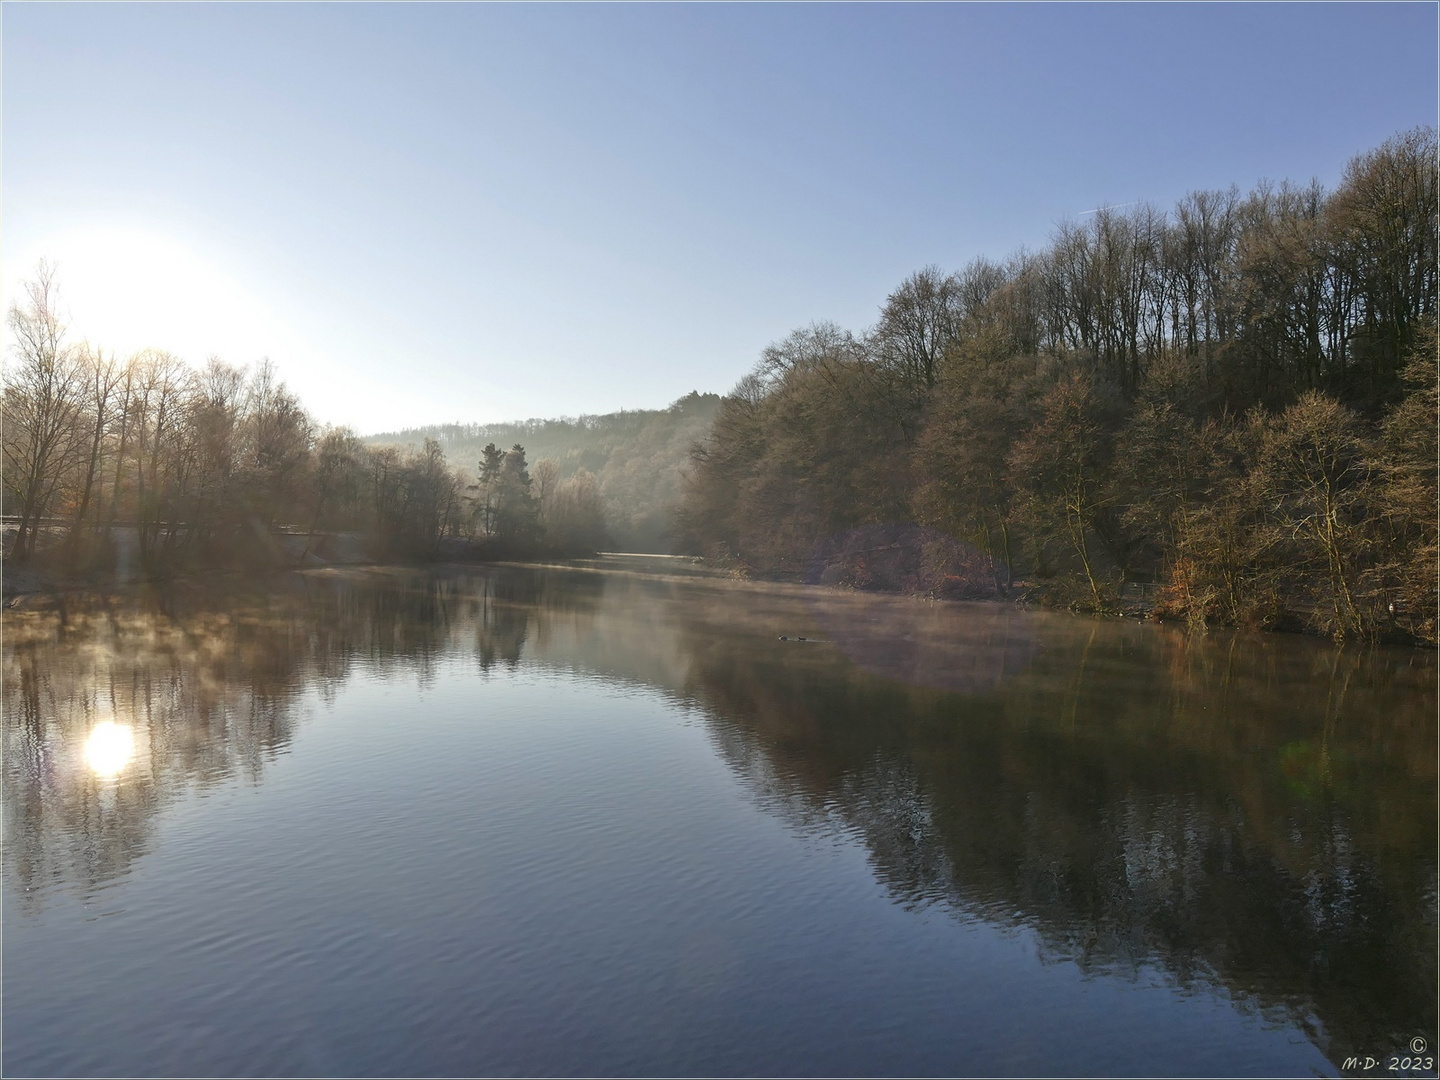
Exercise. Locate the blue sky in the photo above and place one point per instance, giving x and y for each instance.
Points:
(425, 213)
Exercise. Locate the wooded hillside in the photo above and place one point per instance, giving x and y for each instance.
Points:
(1232, 401)
(636, 457)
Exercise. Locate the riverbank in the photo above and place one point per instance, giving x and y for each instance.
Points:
(913, 561)
(27, 586)
(275, 553)
(123, 566)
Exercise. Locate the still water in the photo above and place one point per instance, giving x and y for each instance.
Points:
(602, 820)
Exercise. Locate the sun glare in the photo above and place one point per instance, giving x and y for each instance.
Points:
(109, 748)
(130, 289)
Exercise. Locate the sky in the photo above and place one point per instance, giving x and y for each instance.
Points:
(430, 213)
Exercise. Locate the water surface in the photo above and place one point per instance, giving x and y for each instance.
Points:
(602, 820)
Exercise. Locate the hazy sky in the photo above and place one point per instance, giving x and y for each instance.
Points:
(430, 213)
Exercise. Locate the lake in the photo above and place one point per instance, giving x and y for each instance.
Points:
(618, 818)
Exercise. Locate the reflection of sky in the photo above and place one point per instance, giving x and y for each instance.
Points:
(455, 821)
(969, 649)
(538, 872)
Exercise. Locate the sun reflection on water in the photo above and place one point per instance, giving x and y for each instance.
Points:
(109, 748)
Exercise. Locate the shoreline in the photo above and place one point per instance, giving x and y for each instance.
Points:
(36, 587)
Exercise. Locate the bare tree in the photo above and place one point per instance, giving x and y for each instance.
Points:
(103, 378)
(1385, 215)
(44, 392)
(546, 478)
(919, 322)
(1059, 468)
(1315, 476)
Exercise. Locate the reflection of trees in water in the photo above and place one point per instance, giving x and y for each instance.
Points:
(210, 681)
(169, 671)
(1257, 813)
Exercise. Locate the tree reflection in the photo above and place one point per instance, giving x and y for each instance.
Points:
(1251, 813)
(208, 680)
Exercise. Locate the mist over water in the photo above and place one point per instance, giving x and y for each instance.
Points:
(601, 819)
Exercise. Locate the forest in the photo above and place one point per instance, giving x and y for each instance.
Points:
(1224, 412)
(1227, 409)
(637, 457)
(149, 465)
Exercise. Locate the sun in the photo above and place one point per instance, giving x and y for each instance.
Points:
(109, 748)
(127, 289)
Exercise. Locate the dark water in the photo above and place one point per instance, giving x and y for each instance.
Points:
(602, 821)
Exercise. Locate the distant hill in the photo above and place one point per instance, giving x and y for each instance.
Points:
(636, 456)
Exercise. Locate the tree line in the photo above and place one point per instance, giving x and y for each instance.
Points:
(636, 456)
(1233, 401)
(110, 460)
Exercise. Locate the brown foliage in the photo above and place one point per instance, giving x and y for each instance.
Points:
(1235, 401)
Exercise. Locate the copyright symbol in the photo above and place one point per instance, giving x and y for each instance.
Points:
(1418, 1045)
